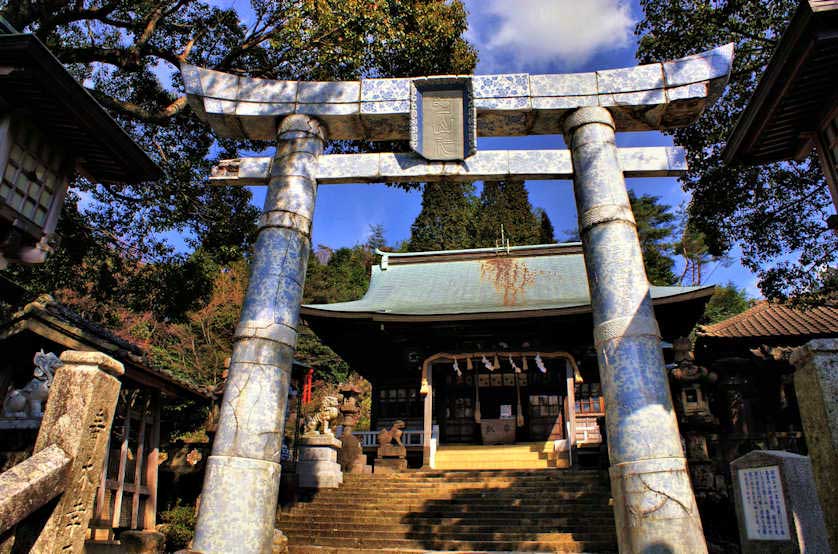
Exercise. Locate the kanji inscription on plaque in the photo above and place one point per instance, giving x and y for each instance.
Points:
(442, 124)
(443, 118)
(764, 504)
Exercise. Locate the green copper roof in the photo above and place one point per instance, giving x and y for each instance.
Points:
(494, 282)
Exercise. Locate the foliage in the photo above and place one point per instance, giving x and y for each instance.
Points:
(547, 234)
(178, 524)
(446, 221)
(506, 203)
(376, 240)
(727, 301)
(655, 226)
(692, 247)
(128, 53)
(775, 212)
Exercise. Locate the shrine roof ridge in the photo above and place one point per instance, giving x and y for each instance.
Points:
(646, 97)
(396, 258)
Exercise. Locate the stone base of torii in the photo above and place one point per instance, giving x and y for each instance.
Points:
(653, 500)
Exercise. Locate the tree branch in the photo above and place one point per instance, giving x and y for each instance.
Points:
(135, 111)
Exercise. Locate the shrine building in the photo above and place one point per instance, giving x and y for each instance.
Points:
(518, 323)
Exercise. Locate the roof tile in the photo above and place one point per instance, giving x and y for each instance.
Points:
(769, 319)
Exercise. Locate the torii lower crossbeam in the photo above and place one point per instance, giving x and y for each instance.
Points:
(490, 165)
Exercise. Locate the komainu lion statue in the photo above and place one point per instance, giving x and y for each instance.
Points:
(318, 424)
(28, 401)
(393, 435)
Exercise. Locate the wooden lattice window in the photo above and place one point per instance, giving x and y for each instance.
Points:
(127, 494)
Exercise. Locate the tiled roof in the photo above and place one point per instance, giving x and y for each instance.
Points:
(767, 319)
(69, 323)
(485, 281)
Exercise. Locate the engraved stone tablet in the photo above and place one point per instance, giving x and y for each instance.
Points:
(443, 118)
(764, 504)
(442, 125)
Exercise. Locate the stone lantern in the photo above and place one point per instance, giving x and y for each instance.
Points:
(50, 130)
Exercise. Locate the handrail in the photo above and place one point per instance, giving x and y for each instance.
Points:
(32, 483)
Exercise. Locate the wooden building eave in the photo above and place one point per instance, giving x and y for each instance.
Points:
(39, 322)
(311, 312)
(798, 84)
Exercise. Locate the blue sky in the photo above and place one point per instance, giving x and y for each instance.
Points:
(534, 36)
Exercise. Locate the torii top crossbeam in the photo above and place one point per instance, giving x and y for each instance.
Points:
(642, 98)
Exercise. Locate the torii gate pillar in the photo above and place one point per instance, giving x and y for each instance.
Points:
(655, 507)
(241, 486)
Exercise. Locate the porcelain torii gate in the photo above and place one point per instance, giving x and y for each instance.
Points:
(654, 504)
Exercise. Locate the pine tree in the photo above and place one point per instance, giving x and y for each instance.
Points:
(506, 203)
(547, 234)
(655, 226)
(446, 221)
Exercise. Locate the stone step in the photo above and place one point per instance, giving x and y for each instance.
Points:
(462, 511)
(422, 520)
(408, 488)
(490, 510)
(441, 487)
(452, 545)
(452, 534)
(456, 476)
(313, 549)
(545, 446)
(482, 463)
(511, 493)
(464, 532)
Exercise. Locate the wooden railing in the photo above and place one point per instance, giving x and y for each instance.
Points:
(67, 460)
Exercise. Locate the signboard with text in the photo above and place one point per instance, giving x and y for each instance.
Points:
(764, 504)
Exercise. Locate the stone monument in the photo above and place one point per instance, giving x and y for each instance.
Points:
(318, 466)
(392, 454)
(351, 456)
(816, 385)
(776, 504)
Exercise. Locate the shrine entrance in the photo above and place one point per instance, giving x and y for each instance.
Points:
(504, 400)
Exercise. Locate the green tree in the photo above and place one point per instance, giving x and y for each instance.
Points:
(128, 53)
(727, 301)
(446, 221)
(506, 203)
(547, 234)
(377, 239)
(772, 211)
(692, 247)
(655, 226)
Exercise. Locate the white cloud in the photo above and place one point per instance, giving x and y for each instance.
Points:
(537, 33)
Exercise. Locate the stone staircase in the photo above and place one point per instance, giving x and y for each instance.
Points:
(457, 511)
(536, 455)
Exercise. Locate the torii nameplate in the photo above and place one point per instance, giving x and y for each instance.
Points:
(443, 118)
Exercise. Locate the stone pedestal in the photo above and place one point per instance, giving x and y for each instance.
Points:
(390, 465)
(776, 504)
(142, 542)
(816, 387)
(318, 466)
(351, 457)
